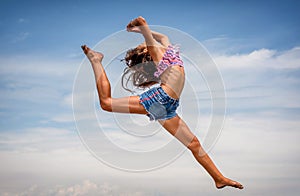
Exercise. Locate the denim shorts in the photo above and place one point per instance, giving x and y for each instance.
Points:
(158, 104)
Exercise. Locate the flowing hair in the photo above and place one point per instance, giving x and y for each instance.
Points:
(140, 69)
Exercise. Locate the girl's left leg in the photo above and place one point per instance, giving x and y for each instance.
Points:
(178, 128)
(123, 105)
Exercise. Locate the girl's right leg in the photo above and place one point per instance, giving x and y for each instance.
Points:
(123, 105)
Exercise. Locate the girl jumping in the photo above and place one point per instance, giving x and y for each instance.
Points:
(155, 61)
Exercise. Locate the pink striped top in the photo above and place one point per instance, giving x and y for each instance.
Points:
(170, 58)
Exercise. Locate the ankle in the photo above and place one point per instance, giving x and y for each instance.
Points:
(220, 179)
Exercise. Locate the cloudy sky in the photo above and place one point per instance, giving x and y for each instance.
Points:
(255, 45)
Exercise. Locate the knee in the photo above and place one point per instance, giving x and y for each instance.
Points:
(194, 145)
(106, 104)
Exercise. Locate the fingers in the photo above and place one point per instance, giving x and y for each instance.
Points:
(139, 21)
(85, 49)
(133, 25)
(130, 25)
(143, 19)
(129, 28)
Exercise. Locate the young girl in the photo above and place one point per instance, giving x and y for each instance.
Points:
(154, 61)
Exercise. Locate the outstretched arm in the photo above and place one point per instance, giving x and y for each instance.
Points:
(161, 38)
(140, 25)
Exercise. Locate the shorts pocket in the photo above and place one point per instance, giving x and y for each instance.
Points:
(162, 99)
(157, 110)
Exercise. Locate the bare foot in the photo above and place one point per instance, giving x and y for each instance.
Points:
(228, 182)
(92, 55)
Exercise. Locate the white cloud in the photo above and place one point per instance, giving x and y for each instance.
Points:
(37, 66)
(262, 58)
(21, 37)
(249, 150)
(68, 100)
(84, 188)
(61, 118)
(22, 20)
(90, 188)
(39, 139)
(223, 44)
(36, 87)
(81, 189)
(248, 146)
(262, 79)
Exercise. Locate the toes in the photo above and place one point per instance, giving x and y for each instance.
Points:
(232, 184)
(238, 185)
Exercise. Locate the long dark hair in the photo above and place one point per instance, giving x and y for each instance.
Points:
(140, 69)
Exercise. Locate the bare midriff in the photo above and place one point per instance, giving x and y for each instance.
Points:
(172, 81)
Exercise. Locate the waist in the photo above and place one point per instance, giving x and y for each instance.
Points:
(163, 91)
(172, 81)
(169, 91)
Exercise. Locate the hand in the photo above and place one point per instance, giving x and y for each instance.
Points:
(135, 29)
(136, 24)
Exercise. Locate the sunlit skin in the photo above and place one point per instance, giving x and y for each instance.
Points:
(156, 44)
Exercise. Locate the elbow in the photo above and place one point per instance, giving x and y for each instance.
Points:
(106, 105)
(165, 40)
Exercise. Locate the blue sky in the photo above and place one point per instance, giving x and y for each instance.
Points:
(45, 23)
(256, 45)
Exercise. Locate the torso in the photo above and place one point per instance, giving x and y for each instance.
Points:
(170, 70)
(172, 81)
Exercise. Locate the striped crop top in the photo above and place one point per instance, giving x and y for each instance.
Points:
(170, 58)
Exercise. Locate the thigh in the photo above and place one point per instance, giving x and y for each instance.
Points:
(129, 104)
(179, 129)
